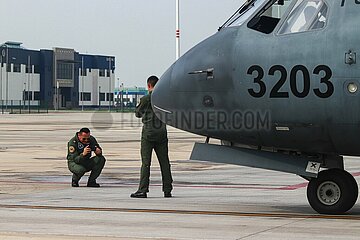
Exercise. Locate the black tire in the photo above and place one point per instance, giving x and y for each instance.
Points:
(335, 191)
(352, 181)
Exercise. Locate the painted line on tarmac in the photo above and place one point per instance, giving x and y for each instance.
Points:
(184, 212)
(235, 186)
(294, 187)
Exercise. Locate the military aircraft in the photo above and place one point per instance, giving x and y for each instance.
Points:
(279, 84)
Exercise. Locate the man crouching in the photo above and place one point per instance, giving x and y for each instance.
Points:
(79, 158)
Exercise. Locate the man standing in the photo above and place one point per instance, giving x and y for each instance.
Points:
(79, 158)
(154, 136)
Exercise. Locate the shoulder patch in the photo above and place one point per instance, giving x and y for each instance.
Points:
(80, 145)
(71, 149)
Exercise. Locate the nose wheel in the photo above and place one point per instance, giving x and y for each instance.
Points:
(335, 191)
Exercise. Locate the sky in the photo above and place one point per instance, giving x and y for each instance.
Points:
(139, 33)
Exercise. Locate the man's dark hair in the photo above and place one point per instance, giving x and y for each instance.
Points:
(152, 80)
(84, 130)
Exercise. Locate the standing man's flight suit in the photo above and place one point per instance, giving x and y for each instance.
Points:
(154, 136)
(79, 164)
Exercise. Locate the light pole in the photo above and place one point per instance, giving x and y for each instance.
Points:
(28, 83)
(99, 97)
(109, 59)
(82, 83)
(24, 95)
(122, 96)
(1, 84)
(177, 9)
(7, 78)
(57, 95)
(117, 83)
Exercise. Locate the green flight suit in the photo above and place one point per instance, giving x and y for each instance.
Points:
(153, 137)
(79, 164)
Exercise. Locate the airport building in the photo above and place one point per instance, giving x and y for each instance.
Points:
(60, 78)
(129, 97)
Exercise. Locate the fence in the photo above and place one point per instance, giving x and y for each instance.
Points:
(23, 107)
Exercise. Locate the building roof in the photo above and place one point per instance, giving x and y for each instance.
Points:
(11, 44)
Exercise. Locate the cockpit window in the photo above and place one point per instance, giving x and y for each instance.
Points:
(269, 16)
(305, 16)
(243, 13)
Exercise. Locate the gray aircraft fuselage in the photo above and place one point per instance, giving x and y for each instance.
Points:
(284, 91)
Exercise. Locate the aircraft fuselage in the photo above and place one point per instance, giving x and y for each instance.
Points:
(286, 91)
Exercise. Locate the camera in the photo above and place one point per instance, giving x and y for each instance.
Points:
(92, 147)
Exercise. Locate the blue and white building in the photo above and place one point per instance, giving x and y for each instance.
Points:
(59, 78)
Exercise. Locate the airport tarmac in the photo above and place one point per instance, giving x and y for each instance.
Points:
(211, 201)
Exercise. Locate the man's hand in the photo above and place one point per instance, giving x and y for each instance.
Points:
(98, 151)
(87, 150)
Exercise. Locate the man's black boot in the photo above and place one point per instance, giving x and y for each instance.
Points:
(74, 183)
(139, 195)
(93, 184)
(167, 194)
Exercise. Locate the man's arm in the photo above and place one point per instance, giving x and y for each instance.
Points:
(98, 149)
(141, 107)
(73, 155)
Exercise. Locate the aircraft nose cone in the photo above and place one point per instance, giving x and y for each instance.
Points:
(161, 97)
(195, 83)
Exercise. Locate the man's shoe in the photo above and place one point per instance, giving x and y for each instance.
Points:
(93, 184)
(139, 195)
(74, 183)
(167, 194)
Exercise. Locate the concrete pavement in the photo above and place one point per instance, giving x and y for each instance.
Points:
(211, 201)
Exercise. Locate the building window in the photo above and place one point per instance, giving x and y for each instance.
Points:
(27, 95)
(82, 73)
(28, 69)
(86, 96)
(111, 96)
(16, 68)
(101, 72)
(64, 70)
(107, 73)
(37, 69)
(102, 96)
(8, 67)
(37, 96)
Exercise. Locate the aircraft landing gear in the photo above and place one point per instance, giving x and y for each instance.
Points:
(335, 191)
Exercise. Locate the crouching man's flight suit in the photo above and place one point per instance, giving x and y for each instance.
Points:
(79, 164)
